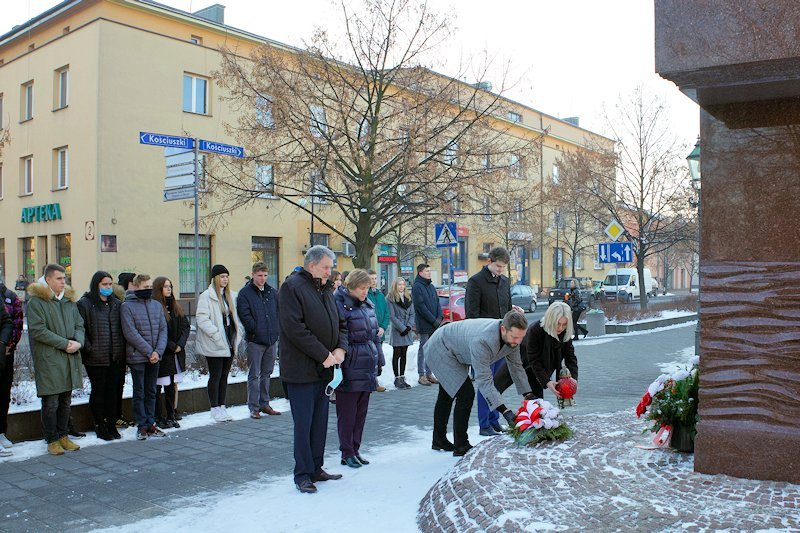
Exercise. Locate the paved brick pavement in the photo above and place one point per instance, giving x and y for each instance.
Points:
(126, 481)
(599, 481)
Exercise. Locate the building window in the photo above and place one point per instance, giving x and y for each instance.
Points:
(265, 184)
(60, 168)
(195, 94)
(266, 249)
(195, 39)
(264, 112)
(579, 262)
(319, 122)
(319, 190)
(404, 135)
(513, 116)
(515, 166)
(536, 253)
(486, 162)
(26, 173)
(320, 238)
(64, 254)
(451, 154)
(28, 258)
(61, 88)
(556, 175)
(26, 101)
(186, 269)
(597, 265)
(487, 208)
(516, 214)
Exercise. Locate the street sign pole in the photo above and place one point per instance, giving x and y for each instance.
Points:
(196, 223)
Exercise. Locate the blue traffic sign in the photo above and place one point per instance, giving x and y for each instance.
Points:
(615, 252)
(220, 148)
(446, 235)
(171, 141)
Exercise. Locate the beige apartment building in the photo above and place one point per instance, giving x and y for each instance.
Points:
(79, 83)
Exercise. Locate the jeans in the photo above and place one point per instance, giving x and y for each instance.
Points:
(55, 415)
(102, 400)
(441, 414)
(6, 378)
(489, 417)
(309, 407)
(261, 361)
(144, 376)
(422, 368)
(218, 370)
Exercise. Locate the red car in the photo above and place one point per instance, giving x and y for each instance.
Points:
(452, 305)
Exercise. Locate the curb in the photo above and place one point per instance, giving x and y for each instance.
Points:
(652, 324)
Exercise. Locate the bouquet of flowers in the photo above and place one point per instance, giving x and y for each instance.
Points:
(538, 420)
(671, 402)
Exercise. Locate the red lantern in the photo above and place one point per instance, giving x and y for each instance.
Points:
(566, 387)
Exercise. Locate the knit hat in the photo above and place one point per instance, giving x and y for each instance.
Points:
(216, 270)
(125, 278)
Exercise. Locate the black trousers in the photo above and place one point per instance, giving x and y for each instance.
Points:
(399, 360)
(218, 370)
(309, 406)
(103, 398)
(6, 378)
(168, 400)
(441, 414)
(576, 314)
(118, 390)
(502, 381)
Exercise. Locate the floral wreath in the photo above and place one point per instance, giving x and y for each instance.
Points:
(539, 420)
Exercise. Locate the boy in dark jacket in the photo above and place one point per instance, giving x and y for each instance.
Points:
(313, 339)
(428, 315)
(13, 307)
(257, 308)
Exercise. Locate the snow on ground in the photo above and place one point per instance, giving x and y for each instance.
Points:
(661, 316)
(386, 493)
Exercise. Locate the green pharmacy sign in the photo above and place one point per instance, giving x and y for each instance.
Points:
(41, 213)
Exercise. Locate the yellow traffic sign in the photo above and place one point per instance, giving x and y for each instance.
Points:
(615, 230)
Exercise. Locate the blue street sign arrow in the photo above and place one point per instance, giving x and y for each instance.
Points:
(220, 148)
(172, 141)
(615, 252)
(446, 235)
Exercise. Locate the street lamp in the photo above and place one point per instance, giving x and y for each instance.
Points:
(693, 159)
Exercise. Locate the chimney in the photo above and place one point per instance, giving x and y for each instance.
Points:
(575, 121)
(215, 13)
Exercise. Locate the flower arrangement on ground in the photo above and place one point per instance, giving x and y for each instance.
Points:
(539, 420)
(670, 402)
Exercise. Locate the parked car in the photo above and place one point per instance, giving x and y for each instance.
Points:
(524, 296)
(452, 304)
(557, 293)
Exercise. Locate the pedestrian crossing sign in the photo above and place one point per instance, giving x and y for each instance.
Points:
(446, 235)
(615, 230)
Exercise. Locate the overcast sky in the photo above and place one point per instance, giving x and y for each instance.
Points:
(568, 57)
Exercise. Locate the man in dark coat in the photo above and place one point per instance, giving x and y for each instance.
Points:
(6, 330)
(257, 308)
(489, 296)
(13, 306)
(428, 315)
(313, 338)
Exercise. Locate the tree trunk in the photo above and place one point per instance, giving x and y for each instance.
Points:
(642, 287)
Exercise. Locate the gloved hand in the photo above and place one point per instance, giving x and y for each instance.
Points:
(380, 370)
(437, 323)
(406, 331)
(508, 414)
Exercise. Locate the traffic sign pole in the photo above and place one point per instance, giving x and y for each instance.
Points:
(196, 224)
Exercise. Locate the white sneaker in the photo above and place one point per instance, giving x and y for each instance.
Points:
(4, 452)
(216, 414)
(225, 416)
(4, 442)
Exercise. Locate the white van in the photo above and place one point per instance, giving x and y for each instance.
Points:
(627, 280)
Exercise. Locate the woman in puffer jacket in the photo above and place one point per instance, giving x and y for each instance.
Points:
(218, 335)
(359, 366)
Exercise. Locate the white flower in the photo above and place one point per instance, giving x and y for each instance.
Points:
(680, 374)
(538, 424)
(695, 360)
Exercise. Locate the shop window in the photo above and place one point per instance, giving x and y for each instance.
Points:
(186, 264)
(28, 258)
(64, 253)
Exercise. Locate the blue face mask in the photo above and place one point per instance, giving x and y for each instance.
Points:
(336, 381)
(106, 291)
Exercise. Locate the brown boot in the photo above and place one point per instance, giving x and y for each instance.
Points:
(67, 444)
(54, 448)
(432, 380)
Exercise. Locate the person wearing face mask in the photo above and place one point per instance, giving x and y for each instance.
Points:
(218, 335)
(56, 328)
(145, 331)
(103, 353)
(359, 369)
(172, 365)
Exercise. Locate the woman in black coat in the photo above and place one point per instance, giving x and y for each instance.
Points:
(103, 352)
(173, 362)
(575, 303)
(548, 344)
(359, 366)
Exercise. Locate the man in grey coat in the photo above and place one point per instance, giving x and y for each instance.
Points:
(477, 342)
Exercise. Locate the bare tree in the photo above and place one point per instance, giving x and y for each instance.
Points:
(651, 176)
(356, 130)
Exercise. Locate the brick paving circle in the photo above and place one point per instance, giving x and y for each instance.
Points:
(599, 481)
